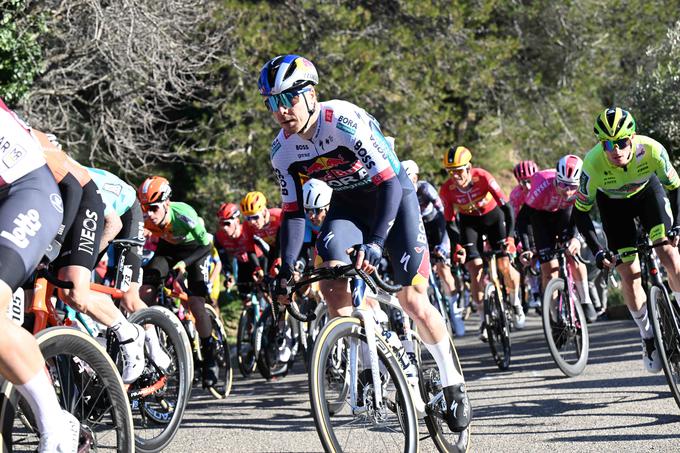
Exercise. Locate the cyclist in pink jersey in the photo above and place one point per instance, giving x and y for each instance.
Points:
(548, 208)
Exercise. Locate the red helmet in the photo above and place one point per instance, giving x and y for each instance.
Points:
(154, 189)
(228, 211)
(525, 170)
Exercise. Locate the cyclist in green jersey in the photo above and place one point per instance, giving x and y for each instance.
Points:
(624, 173)
(184, 245)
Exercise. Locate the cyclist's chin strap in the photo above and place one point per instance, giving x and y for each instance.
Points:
(310, 111)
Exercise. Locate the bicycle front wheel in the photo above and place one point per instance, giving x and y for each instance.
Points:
(87, 384)
(497, 327)
(158, 415)
(565, 329)
(245, 342)
(429, 381)
(225, 377)
(360, 424)
(665, 315)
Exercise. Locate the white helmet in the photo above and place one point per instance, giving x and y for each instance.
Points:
(569, 169)
(316, 194)
(411, 167)
(286, 72)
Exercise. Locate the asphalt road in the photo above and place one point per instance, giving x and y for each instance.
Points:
(614, 406)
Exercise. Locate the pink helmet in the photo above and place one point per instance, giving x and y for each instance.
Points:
(569, 169)
(525, 170)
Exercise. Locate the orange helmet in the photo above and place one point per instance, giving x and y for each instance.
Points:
(154, 189)
(228, 211)
(253, 203)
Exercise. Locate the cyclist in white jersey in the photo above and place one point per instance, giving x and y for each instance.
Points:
(374, 205)
(30, 213)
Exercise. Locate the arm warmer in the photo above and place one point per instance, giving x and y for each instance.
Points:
(509, 219)
(389, 198)
(587, 229)
(291, 237)
(674, 197)
(71, 193)
(440, 222)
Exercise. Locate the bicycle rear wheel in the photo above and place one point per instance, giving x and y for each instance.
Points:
(225, 377)
(429, 381)
(565, 330)
(245, 339)
(87, 384)
(157, 416)
(665, 315)
(392, 427)
(497, 328)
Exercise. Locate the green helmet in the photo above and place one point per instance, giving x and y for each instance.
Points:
(613, 124)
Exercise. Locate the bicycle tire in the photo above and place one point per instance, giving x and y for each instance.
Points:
(666, 324)
(225, 377)
(156, 417)
(558, 336)
(245, 338)
(341, 329)
(268, 363)
(60, 346)
(497, 328)
(429, 382)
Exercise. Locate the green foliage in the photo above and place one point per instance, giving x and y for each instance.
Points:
(20, 53)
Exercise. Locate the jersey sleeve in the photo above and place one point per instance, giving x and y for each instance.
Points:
(370, 147)
(665, 170)
(449, 211)
(290, 187)
(495, 189)
(587, 189)
(433, 196)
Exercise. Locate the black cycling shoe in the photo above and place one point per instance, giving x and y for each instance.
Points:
(458, 409)
(209, 369)
(589, 311)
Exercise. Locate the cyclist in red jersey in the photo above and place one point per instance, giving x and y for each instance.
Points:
(235, 243)
(263, 225)
(483, 209)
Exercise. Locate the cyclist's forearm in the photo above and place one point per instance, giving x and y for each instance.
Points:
(292, 235)
(509, 219)
(445, 243)
(454, 233)
(587, 230)
(674, 197)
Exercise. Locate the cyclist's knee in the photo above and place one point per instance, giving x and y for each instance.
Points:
(334, 289)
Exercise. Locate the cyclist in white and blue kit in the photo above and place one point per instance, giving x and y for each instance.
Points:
(374, 205)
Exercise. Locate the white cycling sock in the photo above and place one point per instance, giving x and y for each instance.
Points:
(442, 355)
(123, 328)
(39, 394)
(517, 302)
(641, 318)
(583, 292)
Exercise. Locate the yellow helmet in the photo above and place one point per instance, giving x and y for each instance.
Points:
(614, 124)
(457, 157)
(253, 203)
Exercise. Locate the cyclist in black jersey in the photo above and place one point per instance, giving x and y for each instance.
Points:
(374, 205)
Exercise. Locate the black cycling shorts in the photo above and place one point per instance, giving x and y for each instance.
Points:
(81, 246)
(167, 255)
(650, 205)
(491, 224)
(349, 222)
(133, 228)
(550, 227)
(31, 212)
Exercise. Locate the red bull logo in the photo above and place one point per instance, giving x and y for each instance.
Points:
(324, 164)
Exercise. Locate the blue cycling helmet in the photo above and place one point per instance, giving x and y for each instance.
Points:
(286, 72)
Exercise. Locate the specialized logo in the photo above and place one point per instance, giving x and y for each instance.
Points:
(88, 232)
(57, 203)
(405, 258)
(275, 147)
(26, 225)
